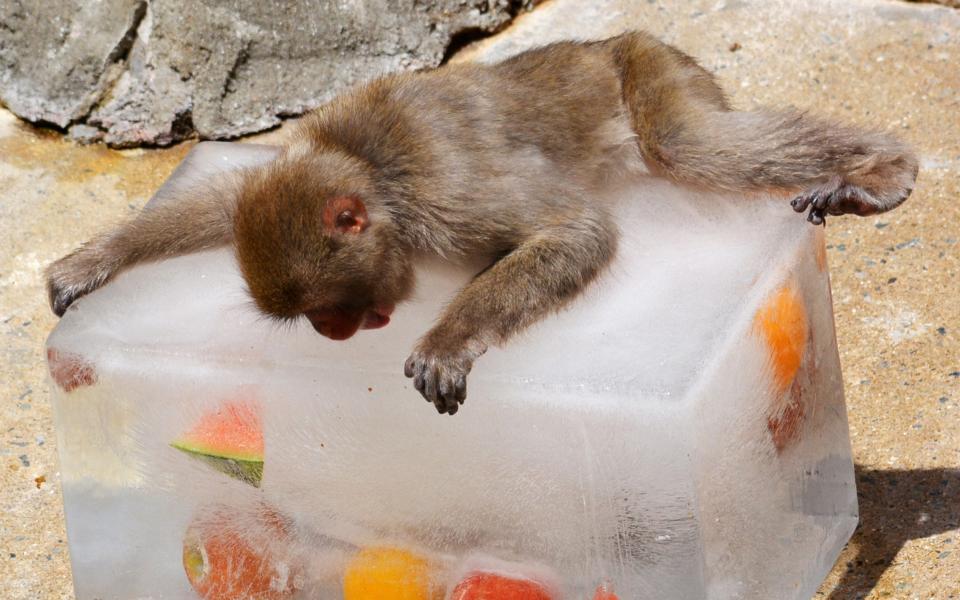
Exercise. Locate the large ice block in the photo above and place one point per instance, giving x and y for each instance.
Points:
(679, 432)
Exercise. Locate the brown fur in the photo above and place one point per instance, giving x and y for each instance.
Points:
(503, 161)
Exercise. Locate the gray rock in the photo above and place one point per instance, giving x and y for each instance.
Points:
(85, 134)
(57, 56)
(154, 73)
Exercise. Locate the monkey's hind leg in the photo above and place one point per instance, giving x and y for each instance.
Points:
(835, 169)
(687, 133)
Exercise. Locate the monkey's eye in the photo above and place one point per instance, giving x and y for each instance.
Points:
(346, 220)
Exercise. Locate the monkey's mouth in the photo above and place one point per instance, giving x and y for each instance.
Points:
(340, 323)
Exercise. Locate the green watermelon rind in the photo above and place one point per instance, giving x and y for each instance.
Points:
(246, 468)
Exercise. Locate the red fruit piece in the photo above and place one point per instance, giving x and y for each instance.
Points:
(492, 586)
(786, 420)
(239, 559)
(70, 371)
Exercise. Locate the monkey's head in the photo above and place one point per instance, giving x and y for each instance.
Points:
(313, 238)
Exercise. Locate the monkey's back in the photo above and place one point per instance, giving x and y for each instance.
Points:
(489, 148)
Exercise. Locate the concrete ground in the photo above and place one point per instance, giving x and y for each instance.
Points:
(895, 277)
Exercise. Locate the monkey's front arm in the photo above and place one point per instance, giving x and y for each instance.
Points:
(178, 226)
(538, 276)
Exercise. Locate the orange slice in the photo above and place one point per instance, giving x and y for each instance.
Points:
(384, 573)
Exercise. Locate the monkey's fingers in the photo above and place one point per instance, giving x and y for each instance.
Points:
(453, 391)
(60, 298)
(424, 380)
(440, 379)
(71, 278)
(409, 366)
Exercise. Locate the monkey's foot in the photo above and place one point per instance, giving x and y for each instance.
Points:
(441, 378)
(844, 199)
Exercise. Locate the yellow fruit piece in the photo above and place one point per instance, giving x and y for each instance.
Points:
(783, 323)
(386, 574)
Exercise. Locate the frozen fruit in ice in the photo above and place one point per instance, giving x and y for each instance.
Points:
(819, 239)
(782, 320)
(230, 439)
(786, 418)
(604, 593)
(233, 558)
(70, 371)
(494, 586)
(387, 574)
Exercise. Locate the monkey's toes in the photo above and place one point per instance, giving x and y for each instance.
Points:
(817, 201)
(800, 203)
(817, 217)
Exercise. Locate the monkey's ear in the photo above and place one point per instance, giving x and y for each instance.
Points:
(345, 214)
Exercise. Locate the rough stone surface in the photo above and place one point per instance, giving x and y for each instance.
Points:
(56, 57)
(896, 277)
(156, 72)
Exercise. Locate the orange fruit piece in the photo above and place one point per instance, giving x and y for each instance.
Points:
(383, 573)
(492, 586)
(782, 321)
(222, 563)
(229, 439)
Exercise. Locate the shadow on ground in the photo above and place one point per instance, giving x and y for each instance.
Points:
(896, 506)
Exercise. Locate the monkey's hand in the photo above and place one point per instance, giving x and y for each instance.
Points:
(439, 371)
(74, 276)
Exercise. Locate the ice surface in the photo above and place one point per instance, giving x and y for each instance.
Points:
(677, 433)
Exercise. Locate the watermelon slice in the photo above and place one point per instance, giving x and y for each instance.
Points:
(229, 439)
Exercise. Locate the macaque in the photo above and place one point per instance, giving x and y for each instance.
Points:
(506, 161)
